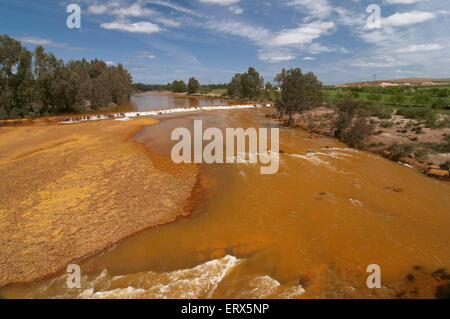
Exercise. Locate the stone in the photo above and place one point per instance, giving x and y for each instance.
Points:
(439, 172)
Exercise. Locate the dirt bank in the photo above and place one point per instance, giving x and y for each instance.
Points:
(69, 191)
(421, 147)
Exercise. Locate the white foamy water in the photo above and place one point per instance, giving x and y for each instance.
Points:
(126, 116)
(200, 281)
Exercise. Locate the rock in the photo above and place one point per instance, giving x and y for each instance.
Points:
(395, 189)
(443, 292)
(315, 136)
(410, 278)
(439, 172)
(440, 275)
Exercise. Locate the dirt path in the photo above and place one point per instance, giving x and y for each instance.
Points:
(69, 191)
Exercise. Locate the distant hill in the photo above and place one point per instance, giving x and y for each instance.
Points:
(399, 82)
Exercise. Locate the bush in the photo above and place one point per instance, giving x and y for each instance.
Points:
(387, 124)
(398, 151)
(446, 165)
(423, 114)
(358, 133)
(379, 110)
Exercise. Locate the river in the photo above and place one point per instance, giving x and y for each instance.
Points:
(309, 231)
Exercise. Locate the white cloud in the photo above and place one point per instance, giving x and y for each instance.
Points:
(46, 42)
(403, 1)
(171, 5)
(135, 10)
(98, 9)
(220, 2)
(303, 34)
(317, 48)
(420, 47)
(256, 34)
(275, 56)
(236, 9)
(407, 18)
(41, 41)
(146, 55)
(114, 8)
(168, 22)
(309, 58)
(317, 8)
(137, 27)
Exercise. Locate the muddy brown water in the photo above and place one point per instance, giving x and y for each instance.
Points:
(309, 231)
(156, 100)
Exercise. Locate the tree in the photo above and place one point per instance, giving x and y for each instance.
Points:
(299, 92)
(16, 78)
(421, 99)
(233, 88)
(246, 85)
(346, 111)
(350, 130)
(397, 99)
(193, 86)
(177, 86)
(39, 83)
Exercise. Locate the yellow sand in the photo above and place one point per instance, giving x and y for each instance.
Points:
(69, 191)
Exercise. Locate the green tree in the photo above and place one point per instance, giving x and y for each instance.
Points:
(397, 99)
(246, 85)
(299, 92)
(346, 110)
(193, 85)
(421, 99)
(16, 78)
(178, 86)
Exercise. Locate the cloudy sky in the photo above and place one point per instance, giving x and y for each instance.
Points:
(162, 40)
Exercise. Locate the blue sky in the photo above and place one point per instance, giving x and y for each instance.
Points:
(162, 40)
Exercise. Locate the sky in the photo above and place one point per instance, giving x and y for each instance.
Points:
(159, 41)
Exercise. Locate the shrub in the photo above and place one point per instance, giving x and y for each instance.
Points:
(379, 110)
(423, 114)
(358, 133)
(398, 151)
(446, 165)
(387, 124)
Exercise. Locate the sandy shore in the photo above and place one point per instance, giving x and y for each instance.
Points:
(70, 191)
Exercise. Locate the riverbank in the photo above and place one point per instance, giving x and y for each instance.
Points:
(70, 191)
(399, 139)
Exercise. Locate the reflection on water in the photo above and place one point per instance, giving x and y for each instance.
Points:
(155, 100)
(309, 231)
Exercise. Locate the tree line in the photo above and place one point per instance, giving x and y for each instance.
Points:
(38, 84)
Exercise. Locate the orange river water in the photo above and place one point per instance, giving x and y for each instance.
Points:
(309, 231)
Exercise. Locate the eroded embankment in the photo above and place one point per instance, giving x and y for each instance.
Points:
(70, 191)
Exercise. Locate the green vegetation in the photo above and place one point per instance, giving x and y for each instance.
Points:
(421, 114)
(247, 85)
(398, 151)
(397, 96)
(141, 87)
(38, 84)
(177, 86)
(351, 125)
(299, 92)
(193, 85)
